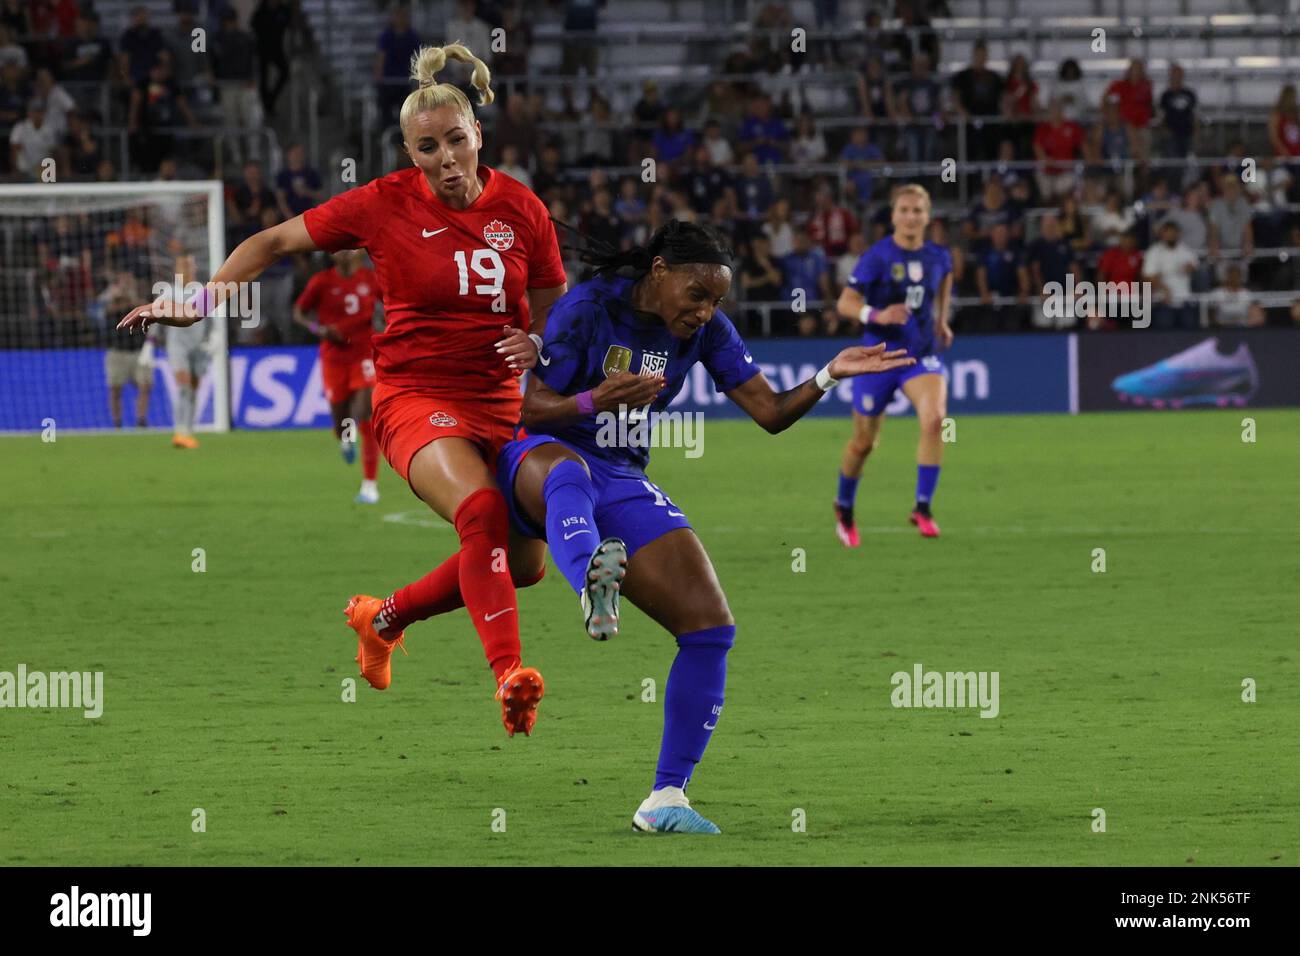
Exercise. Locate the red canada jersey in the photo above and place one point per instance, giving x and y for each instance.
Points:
(450, 278)
(348, 304)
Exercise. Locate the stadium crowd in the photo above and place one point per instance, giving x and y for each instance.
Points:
(1068, 187)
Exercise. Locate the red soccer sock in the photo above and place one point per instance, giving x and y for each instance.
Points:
(438, 592)
(484, 529)
(369, 451)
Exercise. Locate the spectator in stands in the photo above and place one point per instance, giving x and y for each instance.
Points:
(830, 224)
(512, 62)
(1006, 173)
(14, 97)
(706, 182)
(1057, 142)
(516, 127)
(848, 260)
(11, 51)
(761, 278)
(466, 27)
(234, 67)
(1074, 224)
(191, 69)
(672, 140)
(720, 151)
(753, 188)
(14, 15)
(1001, 272)
(1229, 217)
(1050, 257)
(246, 203)
(32, 141)
(779, 229)
(1178, 115)
(979, 97)
(939, 236)
(763, 134)
(397, 44)
(601, 223)
(596, 141)
(1122, 263)
(809, 145)
(1132, 95)
(142, 43)
(1110, 140)
(918, 99)
(806, 269)
(1111, 221)
(992, 209)
(156, 105)
(875, 91)
(581, 52)
(1020, 106)
(1070, 91)
(861, 156)
(270, 24)
(1230, 304)
(649, 109)
(80, 153)
(631, 209)
(511, 166)
(549, 175)
(58, 103)
(297, 186)
(1271, 204)
(87, 58)
(1284, 124)
(911, 22)
(1194, 229)
(276, 293)
(1169, 264)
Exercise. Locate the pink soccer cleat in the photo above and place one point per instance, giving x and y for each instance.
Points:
(925, 524)
(845, 529)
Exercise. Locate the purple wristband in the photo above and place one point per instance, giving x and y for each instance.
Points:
(586, 402)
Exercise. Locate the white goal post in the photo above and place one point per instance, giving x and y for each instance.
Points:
(74, 257)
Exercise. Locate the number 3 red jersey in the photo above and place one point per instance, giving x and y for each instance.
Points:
(450, 278)
(348, 304)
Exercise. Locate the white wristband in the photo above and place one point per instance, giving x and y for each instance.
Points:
(864, 316)
(824, 380)
(537, 340)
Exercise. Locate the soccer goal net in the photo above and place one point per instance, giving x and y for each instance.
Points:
(78, 257)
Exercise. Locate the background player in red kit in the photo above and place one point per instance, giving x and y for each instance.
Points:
(461, 252)
(344, 298)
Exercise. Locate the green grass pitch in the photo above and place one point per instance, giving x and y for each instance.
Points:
(1119, 690)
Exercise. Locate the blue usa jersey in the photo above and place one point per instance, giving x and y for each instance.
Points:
(887, 273)
(593, 330)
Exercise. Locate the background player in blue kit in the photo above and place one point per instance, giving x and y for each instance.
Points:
(624, 343)
(900, 290)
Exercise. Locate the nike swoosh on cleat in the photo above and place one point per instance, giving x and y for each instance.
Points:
(574, 534)
(493, 617)
(709, 726)
(427, 234)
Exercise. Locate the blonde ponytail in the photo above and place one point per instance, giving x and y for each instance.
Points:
(426, 64)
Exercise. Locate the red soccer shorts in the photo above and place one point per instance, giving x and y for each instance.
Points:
(341, 379)
(406, 419)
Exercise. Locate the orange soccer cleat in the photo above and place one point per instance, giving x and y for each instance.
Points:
(184, 441)
(520, 691)
(374, 654)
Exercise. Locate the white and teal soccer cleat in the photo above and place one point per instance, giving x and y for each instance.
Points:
(369, 493)
(668, 811)
(1200, 375)
(349, 450)
(605, 571)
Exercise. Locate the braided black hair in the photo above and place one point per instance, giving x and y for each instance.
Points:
(678, 242)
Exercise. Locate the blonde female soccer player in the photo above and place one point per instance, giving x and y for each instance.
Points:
(900, 290)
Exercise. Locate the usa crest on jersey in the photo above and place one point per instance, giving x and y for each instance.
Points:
(499, 235)
(653, 363)
(915, 270)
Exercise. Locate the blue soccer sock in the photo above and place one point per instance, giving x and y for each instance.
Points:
(848, 491)
(692, 702)
(571, 531)
(927, 476)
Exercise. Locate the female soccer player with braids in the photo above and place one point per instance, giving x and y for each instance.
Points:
(624, 344)
(461, 251)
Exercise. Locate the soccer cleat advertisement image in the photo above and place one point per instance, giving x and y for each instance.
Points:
(863, 433)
